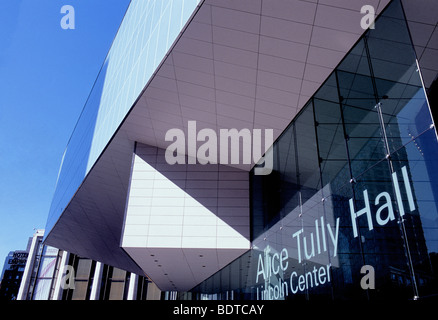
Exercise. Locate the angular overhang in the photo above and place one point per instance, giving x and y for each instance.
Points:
(237, 64)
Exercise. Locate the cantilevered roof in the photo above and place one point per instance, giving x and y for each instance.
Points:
(236, 64)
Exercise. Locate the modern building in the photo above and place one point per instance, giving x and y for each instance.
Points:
(12, 274)
(53, 274)
(349, 209)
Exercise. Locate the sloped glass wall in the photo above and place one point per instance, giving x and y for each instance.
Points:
(350, 209)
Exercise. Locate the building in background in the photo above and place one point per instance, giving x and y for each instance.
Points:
(354, 179)
(52, 274)
(12, 274)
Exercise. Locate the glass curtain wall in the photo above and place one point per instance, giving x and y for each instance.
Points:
(148, 30)
(83, 278)
(45, 270)
(350, 209)
(114, 282)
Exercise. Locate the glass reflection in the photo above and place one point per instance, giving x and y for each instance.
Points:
(354, 184)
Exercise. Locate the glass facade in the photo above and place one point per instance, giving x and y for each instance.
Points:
(113, 282)
(12, 274)
(115, 286)
(350, 209)
(47, 273)
(45, 269)
(84, 272)
(146, 34)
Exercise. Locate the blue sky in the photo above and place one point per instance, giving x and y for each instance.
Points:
(46, 74)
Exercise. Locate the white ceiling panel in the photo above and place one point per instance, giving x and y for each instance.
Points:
(294, 10)
(238, 64)
(235, 38)
(324, 57)
(234, 86)
(199, 31)
(251, 6)
(283, 48)
(286, 30)
(233, 71)
(235, 56)
(195, 47)
(280, 110)
(333, 39)
(194, 77)
(349, 4)
(338, 19)
(278, 81)
(282, 66)
(316, 73)
(235, 19)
